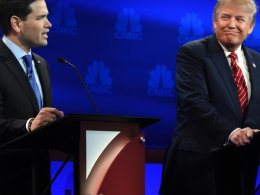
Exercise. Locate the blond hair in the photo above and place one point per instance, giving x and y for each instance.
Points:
(249, 6)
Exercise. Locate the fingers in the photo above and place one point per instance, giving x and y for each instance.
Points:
(249, 134)
(50, 114)
(46, 116)
(242, 136)
(256, 131)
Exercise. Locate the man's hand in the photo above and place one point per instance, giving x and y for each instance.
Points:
(241, 137)
(46, 116)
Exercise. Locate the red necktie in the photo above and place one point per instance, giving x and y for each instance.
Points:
(239, 81)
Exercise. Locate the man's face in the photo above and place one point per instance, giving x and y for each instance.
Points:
(232, 25)
(33, 31)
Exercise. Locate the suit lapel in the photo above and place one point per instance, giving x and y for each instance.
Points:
(252, 72)
(43, 74)
(218, 57)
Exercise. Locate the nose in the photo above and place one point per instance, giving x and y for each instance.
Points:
(232, 22)
(48, 23)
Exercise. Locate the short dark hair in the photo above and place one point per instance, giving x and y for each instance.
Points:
(9, 8)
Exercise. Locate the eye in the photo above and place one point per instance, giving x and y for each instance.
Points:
(240, 20)
(41, 17)
(225, 17)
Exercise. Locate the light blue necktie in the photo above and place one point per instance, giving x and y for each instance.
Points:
(29, 71)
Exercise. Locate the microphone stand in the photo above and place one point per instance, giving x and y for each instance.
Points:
(62, 60)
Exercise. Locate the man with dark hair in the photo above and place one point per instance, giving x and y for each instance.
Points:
(217, 82)
(25, 95)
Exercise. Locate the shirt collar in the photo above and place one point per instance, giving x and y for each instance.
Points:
(15, 49)
(238, 51)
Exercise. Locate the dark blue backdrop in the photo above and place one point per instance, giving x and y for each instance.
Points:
(125, 50)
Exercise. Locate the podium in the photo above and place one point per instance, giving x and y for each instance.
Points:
(108, 151)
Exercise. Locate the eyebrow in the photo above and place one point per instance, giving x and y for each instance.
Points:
(42, 15)
(224, 14)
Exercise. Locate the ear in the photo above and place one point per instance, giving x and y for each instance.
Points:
(16, 23)
(250, 30)
(214, 25)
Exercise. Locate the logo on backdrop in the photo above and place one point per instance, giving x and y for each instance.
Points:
(63, 19)
(160, 82)
(98, 78)
(190, 28)
(128, 25)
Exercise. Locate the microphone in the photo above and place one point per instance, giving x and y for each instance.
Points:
(63, 61)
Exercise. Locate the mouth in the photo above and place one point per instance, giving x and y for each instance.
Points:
(231, 33)
(45, 35)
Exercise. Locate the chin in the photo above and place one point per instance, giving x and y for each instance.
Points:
(231, 42)
(231, 45)
(43, 43)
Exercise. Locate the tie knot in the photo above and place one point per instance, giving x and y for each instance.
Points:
(233, 56)
(234, 65)
(28, 60)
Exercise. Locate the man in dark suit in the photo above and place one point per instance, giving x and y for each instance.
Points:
(25, 95)
(218, 89)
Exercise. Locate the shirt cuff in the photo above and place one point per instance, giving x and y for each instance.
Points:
(28, 124)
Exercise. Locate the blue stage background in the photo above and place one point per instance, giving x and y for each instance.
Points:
(125, 51)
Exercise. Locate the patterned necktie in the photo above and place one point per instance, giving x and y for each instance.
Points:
(29, 71)
(239, 81)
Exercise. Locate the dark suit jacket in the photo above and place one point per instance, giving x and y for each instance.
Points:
(17, 104)
(208, 108)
